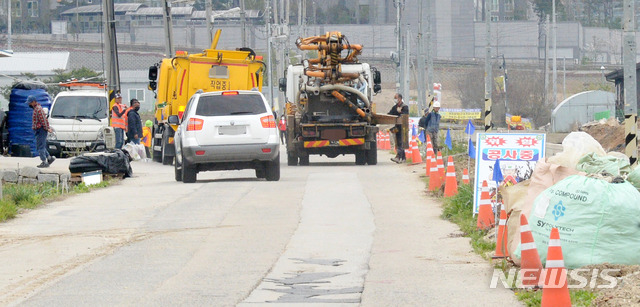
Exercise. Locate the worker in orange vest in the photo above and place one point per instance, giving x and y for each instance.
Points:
(146, 137)
(282, 126)
(119, 119)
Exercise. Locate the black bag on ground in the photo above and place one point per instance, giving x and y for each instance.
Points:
(111, 162)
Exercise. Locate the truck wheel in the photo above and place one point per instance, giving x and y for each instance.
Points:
(292, 159)
(189, 173)
(272, 169)
(304, 161)
(361, 157)
(178, 171)
(372, 154)
(166, 159)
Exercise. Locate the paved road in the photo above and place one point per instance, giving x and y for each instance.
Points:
(329, 233)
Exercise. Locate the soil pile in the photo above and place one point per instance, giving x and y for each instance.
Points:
(608, 133)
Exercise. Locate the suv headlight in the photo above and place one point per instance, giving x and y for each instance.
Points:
(52, 135)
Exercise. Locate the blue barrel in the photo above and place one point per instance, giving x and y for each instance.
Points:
(20, 114)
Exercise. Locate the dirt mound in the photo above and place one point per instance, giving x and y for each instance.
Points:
(609, 134)
(627, 290)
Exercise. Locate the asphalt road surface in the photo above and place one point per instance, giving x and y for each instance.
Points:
(329, 233)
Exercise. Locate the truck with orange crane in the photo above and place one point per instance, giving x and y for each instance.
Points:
(176, 79)
(329, 107)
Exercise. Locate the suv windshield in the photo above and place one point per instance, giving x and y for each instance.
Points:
(80, 107)
(219, 105)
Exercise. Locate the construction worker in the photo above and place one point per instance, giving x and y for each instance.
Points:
(40, 126)
(432, 125)
(146, 137)
(118, 120)
(282, 126)
(398, 109)
(134, 123)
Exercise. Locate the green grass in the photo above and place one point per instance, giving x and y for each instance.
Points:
(30, 196)
(531, 298)
(459, 210)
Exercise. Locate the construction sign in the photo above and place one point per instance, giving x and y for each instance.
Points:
(517, 153)
(460, 113)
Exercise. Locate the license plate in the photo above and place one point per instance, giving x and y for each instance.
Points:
(232, 130)
(74, 145)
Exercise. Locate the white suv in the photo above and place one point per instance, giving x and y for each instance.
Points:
(229, 130)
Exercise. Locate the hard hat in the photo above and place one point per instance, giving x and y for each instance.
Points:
(148, 123)
(436, 104)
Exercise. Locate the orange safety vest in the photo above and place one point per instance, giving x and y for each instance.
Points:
(117, 121)
(282, 125)
(146, 136)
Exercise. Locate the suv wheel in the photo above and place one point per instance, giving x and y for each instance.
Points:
(189, 172)
(178, 170)
(272, 169)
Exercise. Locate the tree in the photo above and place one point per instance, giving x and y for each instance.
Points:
(60, 76)
(340, 14)
(545, 7)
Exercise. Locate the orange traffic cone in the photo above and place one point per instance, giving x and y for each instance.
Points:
(408, 153)
(440, 166)
(386, 143)
(417, 157)
(554, 290)
(430, 154)
(530, 265)
(485, 212)
(501, 242)
(465, 176)
(450, 183)
(379, 140)
(434, 176)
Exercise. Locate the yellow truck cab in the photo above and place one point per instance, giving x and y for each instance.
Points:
(176, 79)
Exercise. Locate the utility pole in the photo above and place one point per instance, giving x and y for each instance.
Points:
(422, 99)
(487, 70)
(267, 17)
(207, 10)
(630, 90)
(555, 56)
(243, 21)
(9, 26)
(111, 48)
(399, 73)
(168, 31)
(429, 52)
(546, 62)
(406, 72)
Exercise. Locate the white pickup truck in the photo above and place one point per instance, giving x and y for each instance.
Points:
(78, 119)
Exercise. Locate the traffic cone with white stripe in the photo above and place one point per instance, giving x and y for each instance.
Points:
(387, 141)
(530, 265)
(554, 290)
(430, 154)
(434, 176)
(417, 157)
(440, 167)
(408, 153)
(485, 212)
(450, 183)
(501, 242)
(465, 176)
(379, 140)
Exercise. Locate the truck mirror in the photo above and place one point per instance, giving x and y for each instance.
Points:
(153, 73)
(153, 85)
(173, 120)
(376, 77)
(282, 84)
(377, 88)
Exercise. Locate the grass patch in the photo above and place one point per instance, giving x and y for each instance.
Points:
(458, 209)
(533, 298)
(30, 196)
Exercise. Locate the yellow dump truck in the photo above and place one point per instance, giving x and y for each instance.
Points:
(176, 79)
